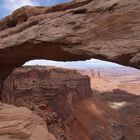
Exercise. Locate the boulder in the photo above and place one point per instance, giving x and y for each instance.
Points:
(19, 123)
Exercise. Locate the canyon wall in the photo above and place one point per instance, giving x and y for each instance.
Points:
(48, 91)
(58, 86)
(64, 99)
(119, 88)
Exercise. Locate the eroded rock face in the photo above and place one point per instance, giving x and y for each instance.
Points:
(48, 91)
(63, 98)
(19, 123)
(93, 119)
(119, 88)
(103, 29)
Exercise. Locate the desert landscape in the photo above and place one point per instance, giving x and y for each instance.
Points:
(61, 97)
(79, 103)
(55, 103)
(119, 88)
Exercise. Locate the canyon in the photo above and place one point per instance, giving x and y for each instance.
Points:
(64, 100)
(119, 88)
(50, 92)
(70, 104)
(99, 103)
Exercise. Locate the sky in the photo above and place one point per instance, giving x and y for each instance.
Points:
(88, 64)
(8, 6)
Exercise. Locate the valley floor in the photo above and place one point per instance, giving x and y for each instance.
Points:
(122, 93)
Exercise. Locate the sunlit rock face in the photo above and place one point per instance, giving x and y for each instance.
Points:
(63, 98)
(119, 88)
(48, 91)
(35, 84)
(19, 123)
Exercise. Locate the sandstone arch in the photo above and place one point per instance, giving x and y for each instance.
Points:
(107, 30)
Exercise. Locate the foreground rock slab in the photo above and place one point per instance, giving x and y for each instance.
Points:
(19, 123)
(50, 92)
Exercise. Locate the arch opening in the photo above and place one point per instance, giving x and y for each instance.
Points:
(82, 64)
(90, 67)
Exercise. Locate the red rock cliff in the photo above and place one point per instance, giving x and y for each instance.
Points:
(63, 98)
(50, 92)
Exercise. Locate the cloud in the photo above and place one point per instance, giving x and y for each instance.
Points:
(8, 6)
(11, 5)
(92, 63)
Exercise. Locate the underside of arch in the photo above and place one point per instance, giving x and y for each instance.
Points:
(78, 30)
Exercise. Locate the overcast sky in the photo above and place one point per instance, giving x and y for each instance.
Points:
(8, 6)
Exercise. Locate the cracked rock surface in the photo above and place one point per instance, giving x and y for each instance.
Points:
(19, 123)
(78, 30)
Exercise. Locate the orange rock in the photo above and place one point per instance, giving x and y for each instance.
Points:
(19, 123)
(49, 91)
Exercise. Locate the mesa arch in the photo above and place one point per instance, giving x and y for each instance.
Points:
(78, 30)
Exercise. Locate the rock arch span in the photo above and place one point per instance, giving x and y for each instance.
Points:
(79, 30)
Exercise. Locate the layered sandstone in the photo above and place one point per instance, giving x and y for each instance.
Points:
(48, 91)
(119, 88)
(61, 88)
(63, 98)
(19, 123)
(79, 30)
